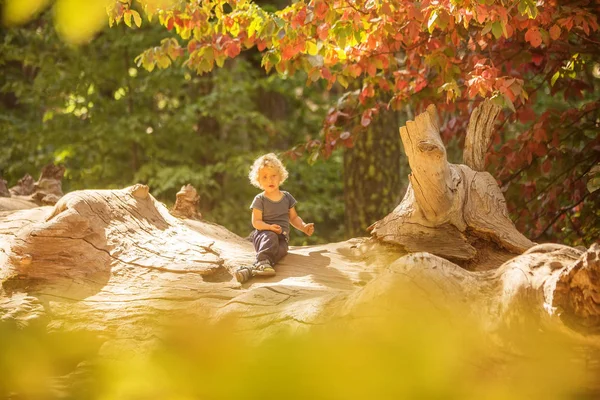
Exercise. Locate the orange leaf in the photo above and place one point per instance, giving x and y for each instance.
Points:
(555, 32)
(323, 30)
(534, 37)
(371, 69)
(321, 9)
(233, 49)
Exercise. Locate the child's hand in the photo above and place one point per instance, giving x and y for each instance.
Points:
(276, 228)
(308, 229)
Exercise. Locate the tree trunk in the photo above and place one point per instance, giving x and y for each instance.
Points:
(371, 174)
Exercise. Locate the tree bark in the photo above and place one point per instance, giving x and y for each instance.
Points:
(371, 174)
(479, 133)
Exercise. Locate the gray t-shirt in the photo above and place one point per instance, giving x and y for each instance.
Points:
(275, 212)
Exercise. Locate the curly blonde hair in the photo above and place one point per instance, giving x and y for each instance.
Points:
(268, 160)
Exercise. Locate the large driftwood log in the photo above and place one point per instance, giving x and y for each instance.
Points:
(112, 258)
(116, 263)
(451, 210)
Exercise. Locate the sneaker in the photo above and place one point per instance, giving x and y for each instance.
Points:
(263, 268)
(243, 274)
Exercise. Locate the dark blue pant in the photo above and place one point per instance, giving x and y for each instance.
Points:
(269, 246)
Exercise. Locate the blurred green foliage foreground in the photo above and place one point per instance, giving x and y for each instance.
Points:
(405, 348)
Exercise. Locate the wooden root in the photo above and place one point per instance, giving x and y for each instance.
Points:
(450, 201)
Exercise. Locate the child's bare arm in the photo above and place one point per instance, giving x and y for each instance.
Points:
(297, 223)
(258, 223)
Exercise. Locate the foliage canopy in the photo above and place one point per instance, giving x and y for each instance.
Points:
(540, 60)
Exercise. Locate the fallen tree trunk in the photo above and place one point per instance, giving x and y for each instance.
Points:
(115, 262)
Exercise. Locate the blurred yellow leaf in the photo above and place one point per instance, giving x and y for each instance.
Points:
(78, 21)
(136, 18)
(127, 18)
(16, 12)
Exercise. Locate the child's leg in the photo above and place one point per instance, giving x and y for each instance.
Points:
(266, 244)
(283, 248)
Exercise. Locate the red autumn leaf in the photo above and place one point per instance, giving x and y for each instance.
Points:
(170, 23)
(546, 166)
(421, 84)
(300, 17)
(355, 70)
(537, 58)
(323, 31)
(540, 149)
(233, 49)
(288, 52)
(192, 45)
(371, 69)
(539, 135)
(321, 9)
(534, 37)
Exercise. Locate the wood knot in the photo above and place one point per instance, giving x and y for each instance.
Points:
(25, 259)
(433, 148)
(139, 191)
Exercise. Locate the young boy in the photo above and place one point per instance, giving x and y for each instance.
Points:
(273, 211)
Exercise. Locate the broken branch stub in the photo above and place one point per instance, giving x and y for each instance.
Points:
(186, 203)
(479, 133)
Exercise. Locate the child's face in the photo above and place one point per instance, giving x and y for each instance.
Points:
(269, 179)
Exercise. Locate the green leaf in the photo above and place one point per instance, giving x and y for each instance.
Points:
(486, 28)
(497, 30)
(593, 183)
(509, 103)
(554, 78)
